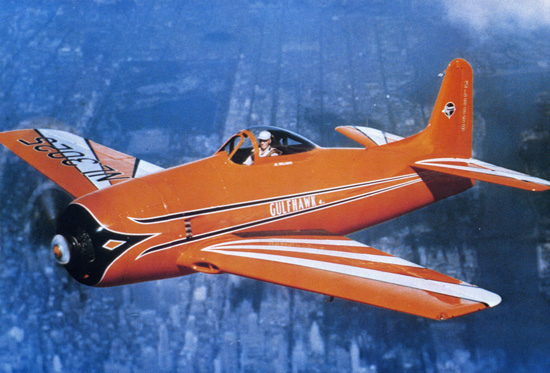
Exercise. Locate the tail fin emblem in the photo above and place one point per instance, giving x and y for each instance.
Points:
(449, 109)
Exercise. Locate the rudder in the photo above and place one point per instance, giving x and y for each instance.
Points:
(451, 123)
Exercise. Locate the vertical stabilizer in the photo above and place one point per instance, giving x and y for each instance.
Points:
(448, 137)
(450, 128)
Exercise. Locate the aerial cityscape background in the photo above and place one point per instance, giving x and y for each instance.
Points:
(169, 81)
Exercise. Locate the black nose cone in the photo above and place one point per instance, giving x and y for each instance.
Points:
(85, 247)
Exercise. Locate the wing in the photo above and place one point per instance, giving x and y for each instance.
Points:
(478, 170)
(78, 165)
(340, 267)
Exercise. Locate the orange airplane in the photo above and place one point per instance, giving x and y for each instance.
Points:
(272, 206)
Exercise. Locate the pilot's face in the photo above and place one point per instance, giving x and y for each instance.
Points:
(264, 144)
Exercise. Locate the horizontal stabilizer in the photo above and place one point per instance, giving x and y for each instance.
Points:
(367, 136)
(482, 171)
(343, 268)
(78, 165)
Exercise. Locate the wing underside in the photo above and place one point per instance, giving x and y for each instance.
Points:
(340, 267)
(78, 165)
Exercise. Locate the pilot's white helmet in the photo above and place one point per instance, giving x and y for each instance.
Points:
(264, 135)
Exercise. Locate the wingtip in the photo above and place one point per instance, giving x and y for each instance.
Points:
(484, 300)
(493, 299)
(541, 188)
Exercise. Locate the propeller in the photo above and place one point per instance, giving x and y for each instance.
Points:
(45, 205)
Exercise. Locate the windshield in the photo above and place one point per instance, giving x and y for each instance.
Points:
(244, 146)
(285, 141)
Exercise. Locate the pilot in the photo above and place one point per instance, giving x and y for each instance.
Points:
(266, 150)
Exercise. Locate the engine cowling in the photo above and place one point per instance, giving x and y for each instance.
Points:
(86, 248)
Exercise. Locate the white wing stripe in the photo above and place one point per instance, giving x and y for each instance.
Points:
(488, 169)
(146, 168)
(78, 144)
(90, 164)
(305, 241)
(338, 254)
(463, 291)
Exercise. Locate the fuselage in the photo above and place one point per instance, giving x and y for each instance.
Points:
(143, 225)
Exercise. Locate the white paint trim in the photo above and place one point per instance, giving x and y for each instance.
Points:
(482, 168)
(385, 259)
(78, 144)
(378, 136)
(330, 242)
(463, 290)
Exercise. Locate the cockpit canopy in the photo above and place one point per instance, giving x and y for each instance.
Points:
(245, 144)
